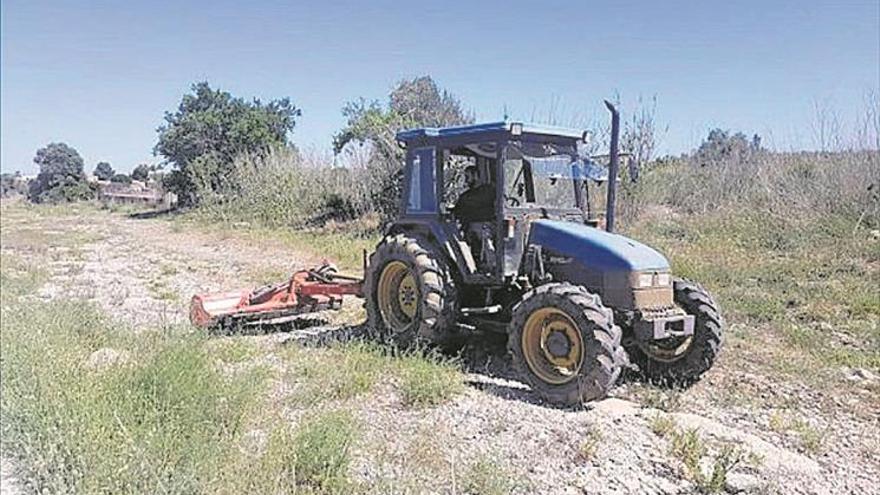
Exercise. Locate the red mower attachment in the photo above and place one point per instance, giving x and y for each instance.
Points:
(307, 291)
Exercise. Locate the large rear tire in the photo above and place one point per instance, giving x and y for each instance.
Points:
(683, 363)
(410, 295)
(564, 344)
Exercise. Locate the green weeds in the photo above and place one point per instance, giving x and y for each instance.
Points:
(487, 477)
(428, 380)
(693, 452)
(166, 418)
(351, 370)
(322, 448)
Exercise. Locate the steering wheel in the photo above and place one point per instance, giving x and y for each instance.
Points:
(511, 201)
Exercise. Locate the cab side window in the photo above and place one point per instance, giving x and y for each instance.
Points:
(422, 184)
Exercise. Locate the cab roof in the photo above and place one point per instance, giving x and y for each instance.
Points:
(485, 131)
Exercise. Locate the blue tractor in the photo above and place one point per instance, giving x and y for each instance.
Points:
(521, 249)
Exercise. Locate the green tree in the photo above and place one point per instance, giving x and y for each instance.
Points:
(120, 179)
(103, 171)
(209, 129)
(61, 176)
(413, 103)
(721, 145)
(141, 172)
(11, 184)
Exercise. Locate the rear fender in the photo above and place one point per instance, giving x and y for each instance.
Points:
(445, 239)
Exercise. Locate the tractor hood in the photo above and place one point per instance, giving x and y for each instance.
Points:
(595, 248)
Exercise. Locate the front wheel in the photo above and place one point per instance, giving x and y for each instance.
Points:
(564, 344)
(682, 361)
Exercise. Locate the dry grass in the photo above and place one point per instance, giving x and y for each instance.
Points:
(181, 412)
(787, 243)
(348, 371)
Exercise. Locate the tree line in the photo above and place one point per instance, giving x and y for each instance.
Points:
(201, 139)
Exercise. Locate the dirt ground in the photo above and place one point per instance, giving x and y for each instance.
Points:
(143, 271)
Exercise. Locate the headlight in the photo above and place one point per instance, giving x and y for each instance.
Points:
(664, 279)
(646, 280)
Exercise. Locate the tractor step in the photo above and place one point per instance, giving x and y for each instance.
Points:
(307, 291)
(483, 310)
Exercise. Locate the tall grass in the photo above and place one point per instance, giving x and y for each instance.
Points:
(801, 187)
(286, 188)
(166, 419)
(90, 406)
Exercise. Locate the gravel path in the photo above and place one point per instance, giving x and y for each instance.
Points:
(144, 270)
(9, 484)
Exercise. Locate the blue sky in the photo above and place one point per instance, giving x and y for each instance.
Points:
(100, 74)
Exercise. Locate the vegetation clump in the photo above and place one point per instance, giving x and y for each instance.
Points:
(209, 129)
(61, 177)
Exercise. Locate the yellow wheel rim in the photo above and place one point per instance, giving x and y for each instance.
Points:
(397, 296)
(667, 352)
(552, 346)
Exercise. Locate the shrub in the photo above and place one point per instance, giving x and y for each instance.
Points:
(284, 189)
(12, 185)
(141, 172)
(804, 187)
(61, 177)
(103, 171)
(120, 179)
(209, 129)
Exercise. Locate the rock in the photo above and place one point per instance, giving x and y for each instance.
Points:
(106, 357)
(615, 407)
(742, 483)
(862, 374)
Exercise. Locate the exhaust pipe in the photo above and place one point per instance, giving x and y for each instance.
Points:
(613, 166)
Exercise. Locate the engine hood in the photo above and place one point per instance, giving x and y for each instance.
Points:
(594, 248)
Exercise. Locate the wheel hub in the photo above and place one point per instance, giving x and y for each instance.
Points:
(406, 295)
(557, 345)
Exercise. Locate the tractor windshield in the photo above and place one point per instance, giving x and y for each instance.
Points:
(546, 175)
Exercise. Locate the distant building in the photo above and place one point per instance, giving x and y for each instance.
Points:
(135, 193)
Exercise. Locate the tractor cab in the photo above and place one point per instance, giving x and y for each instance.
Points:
(479, 187)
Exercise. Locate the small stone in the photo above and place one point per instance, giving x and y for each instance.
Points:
(866, 374)
(254, 442)
(861, 374)
(106, 357)
(742, 483)
(616, 407)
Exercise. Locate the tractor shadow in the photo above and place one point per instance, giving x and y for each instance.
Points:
(490, 369)
(307, 331)
(485, 359)
(152, 214)
(483, 356)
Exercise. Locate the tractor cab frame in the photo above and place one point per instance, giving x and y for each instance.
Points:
(536, 171)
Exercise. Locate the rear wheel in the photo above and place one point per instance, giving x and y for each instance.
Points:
(682, 361)
(410, 296)
(564, 344)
